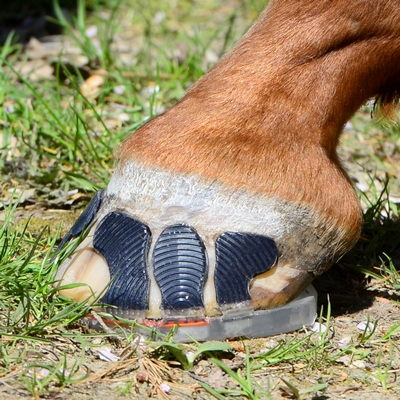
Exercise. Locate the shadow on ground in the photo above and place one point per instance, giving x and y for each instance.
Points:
(31, 18)
(347, 285)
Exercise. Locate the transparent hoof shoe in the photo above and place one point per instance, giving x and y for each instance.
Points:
(176, 262)
(299, 313)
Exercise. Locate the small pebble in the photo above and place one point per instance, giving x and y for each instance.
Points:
(165, 388)
(317, 327)
(119, 89)
(91, 32)
(365, 326)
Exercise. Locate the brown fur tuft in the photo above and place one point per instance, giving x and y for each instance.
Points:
(387, 102)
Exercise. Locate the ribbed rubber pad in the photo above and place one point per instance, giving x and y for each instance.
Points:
(180, 268)
(83, 220)
(124, 242)
(240, 256)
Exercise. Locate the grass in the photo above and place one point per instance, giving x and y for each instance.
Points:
(58, 137)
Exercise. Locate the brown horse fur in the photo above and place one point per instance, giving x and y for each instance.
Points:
(268, 117)
(266, 121)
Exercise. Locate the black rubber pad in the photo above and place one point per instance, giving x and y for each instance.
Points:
(240, 256)
(180, 267)
(83, 220)
(124, 243)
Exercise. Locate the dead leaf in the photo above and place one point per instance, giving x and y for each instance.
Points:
(106, 355)
(91, 87)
